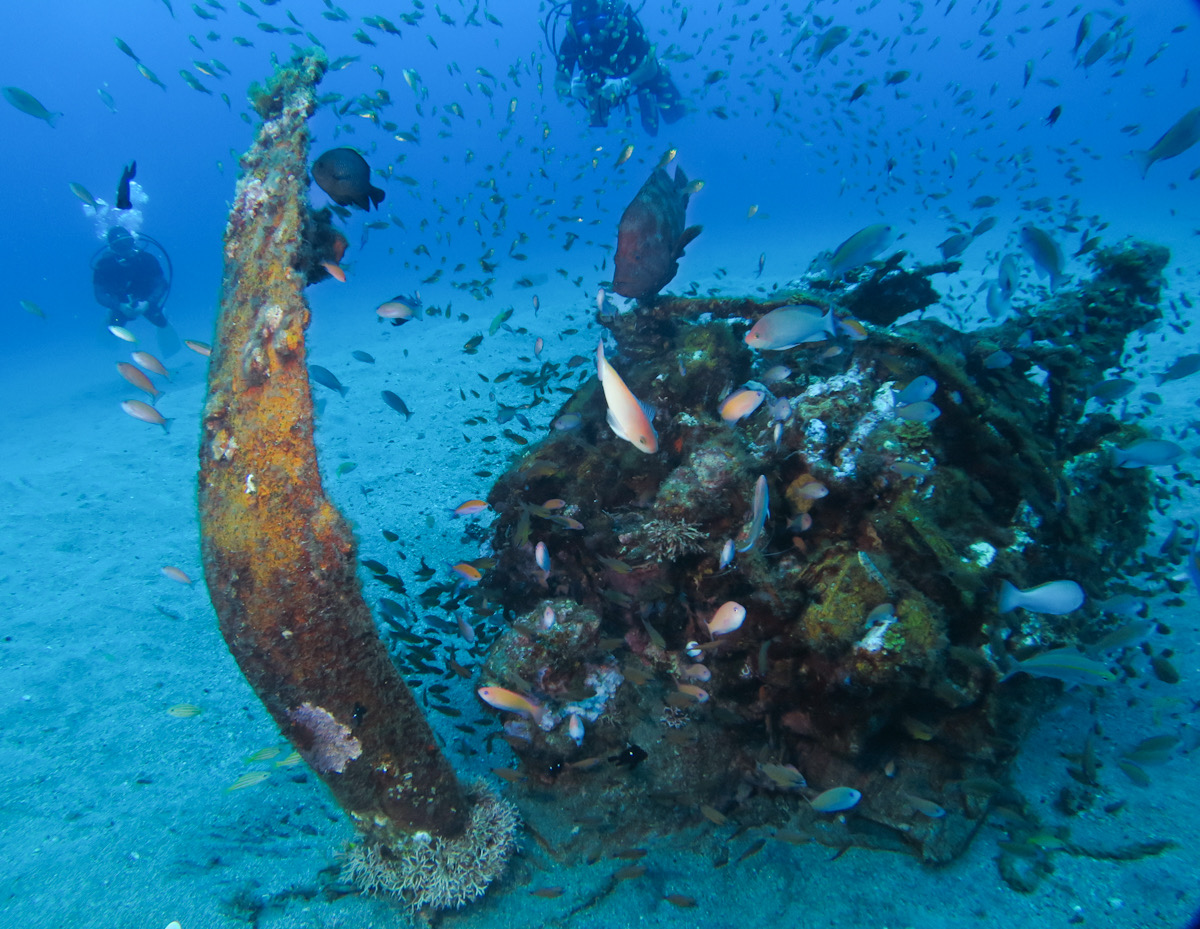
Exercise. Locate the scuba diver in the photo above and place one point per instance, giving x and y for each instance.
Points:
(615, 60)
(130, 281)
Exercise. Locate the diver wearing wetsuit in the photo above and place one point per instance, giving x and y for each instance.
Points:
(129, 281)
(615, 60)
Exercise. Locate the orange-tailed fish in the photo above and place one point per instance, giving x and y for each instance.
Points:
(470, 508)
(628, 417)
(512, 702)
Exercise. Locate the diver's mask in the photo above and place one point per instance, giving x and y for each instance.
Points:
(121, 243)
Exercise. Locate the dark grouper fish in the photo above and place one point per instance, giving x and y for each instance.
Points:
(344, 174)
(651, 236)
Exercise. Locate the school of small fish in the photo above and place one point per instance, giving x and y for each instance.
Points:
(821, 71)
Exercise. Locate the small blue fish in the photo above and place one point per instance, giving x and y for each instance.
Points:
(919, 388)
(920, 412)
(835, 800)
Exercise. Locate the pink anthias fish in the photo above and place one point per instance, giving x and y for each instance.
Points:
(628, 417)
(728, 618)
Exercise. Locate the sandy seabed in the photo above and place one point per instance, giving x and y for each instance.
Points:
(116, 813)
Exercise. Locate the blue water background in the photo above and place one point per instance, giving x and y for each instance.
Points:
(816, 170)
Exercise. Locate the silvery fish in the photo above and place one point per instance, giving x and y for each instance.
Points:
(998, 302)
(758, 515)
(29, 104)
(1111, 390)
(1009, 274)
(1045, 253)
(859, 249)
(955, 245)
(1175, 141)
(788, 326)
(1151, 453)
(1183, 366)
(327, 378)
(1055, 597)
(1064, 664)
(835, 800)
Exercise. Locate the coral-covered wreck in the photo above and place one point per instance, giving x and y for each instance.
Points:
(872, 651)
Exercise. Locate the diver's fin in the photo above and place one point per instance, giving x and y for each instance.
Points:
(168, 340)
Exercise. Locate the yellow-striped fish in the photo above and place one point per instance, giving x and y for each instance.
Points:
(263, 754)
(291, 758)
(249, 779)
(184, 710)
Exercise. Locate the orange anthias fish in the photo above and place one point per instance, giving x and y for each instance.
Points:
(512, 702)
(651, 236)
(335, 271)
(470, 508)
